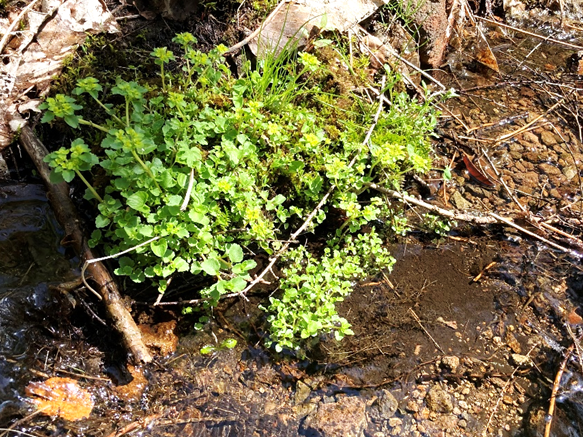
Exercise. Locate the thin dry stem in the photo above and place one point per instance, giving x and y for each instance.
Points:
(556, 385)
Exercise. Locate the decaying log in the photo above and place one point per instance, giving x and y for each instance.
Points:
(68, 218)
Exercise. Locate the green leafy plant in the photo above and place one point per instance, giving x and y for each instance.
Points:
(229, 343)
(437, 225)
(311, 287)
(208, 169)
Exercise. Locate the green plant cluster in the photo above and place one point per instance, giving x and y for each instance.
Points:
(311, 286)
(205, 168)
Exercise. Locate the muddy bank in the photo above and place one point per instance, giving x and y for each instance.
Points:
(434, 353)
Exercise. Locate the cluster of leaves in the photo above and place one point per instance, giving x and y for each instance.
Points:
(437, 225)
(207, 166)
(311, 287)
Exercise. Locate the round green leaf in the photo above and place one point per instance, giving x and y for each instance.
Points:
(235, 253)
(159, 247)
(137, 200)
(211, 266)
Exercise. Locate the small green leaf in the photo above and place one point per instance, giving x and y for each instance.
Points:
(72, 120)
(447, 173)
(56, 177)
(137, 200)
(211, 266)
(159, 247)
(207, 349)
(101, 221)
(68, 175)
(235, 253)
(237, 284)
(229, 343)
(180, 264)
(47, 117)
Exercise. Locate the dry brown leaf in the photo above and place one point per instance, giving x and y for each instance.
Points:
(483, 52)
(60, 397)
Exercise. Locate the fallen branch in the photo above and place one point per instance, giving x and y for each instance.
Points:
(454, 215)
(532, 234)
(66, 214)
(489, 218)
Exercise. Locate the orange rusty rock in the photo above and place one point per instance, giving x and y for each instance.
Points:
(135, 389)
(60, 397)
(160, 336)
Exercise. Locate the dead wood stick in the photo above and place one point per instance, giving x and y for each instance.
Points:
(528, 125)
(67, 216)
(418, 320)
(556, 385)
(489, 218)
(501, 396)
(532, 234)
(143, 423)
(455, 215)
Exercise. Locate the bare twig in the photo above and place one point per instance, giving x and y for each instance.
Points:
(403, 60)
(499, 176)
(276, 257)
(510, 380)
(484, 270)
(425, 330)
(115, 255)
(526, 126)
(556, 385)
(257, 31)
(188, 191)
(454, 215)
(532, 234)
(490, 218)
(142, 423)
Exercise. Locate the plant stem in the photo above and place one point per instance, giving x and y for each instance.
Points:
(96, 126)
(146, 169)
(89, 186)
(109, 111)
(162, 74)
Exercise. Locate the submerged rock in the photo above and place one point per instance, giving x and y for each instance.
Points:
(438, 400)
(345, 418)
(384, 407)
